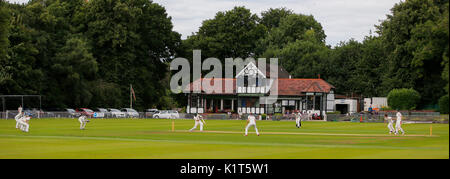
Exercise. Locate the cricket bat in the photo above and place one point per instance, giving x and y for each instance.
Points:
(203, 121)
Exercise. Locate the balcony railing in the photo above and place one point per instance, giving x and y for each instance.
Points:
(251, 89)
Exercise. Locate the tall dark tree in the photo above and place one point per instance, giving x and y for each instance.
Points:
(131, 41)
(305, 58)
(78, 52)
(229, 34)
(4, 42)
(291, 28)
(370, 68)
(21, 63)
(418, 44)
(343, 67)
(4, 28)
(272, 17)
(73, 68)
(297, 40)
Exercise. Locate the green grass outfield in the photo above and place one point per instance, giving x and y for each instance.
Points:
(222, 139)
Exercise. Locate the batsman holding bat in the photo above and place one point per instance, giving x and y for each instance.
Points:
(198, 120)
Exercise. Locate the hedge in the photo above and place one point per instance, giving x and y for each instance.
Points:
(443, 104)
(403, 99)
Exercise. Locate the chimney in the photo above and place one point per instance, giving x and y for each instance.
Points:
(318, 76)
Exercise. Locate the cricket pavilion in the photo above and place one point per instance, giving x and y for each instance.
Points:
(251, 90)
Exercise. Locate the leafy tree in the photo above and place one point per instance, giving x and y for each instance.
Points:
(443, 104)
(130, 40)
(4, 42)
(229, 34)
(63, 49)
(417, 39)
(272, 17)
(102, 93)
(297, 40)
(4, 28)
(343, 63)
(73, 68)
(370, 68)
(21, 63)
(403, 99)
(291, 28)
(304, 58)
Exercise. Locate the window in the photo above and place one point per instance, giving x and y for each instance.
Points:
(245, 81)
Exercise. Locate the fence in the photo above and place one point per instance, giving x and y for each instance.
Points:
(378, 117)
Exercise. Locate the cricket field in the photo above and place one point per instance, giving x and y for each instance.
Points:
(221, 139)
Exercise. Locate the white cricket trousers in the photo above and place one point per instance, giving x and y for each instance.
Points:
(391, 127)
(251, 124)
(24, 126)
(17, 120)
(196, 124)
(82, 123)
(398, 127)
(298, 122)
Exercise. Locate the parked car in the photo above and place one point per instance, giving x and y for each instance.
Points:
(166, 114)
(104, 110)
(72, 112)
(116, 113)
(86, 111)
(174, 114)
(149, 112)
(98, 114)
(130, 112)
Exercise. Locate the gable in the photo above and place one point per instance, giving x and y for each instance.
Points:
(250, 70)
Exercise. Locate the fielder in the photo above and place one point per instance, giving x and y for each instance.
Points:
(398, 124)
(83, 121)
(390, 123)
(198, 120)
(298, 120)
(251, 121)
(18, 116)
(24, 123)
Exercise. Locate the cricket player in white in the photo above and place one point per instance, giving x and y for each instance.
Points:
(251, 121)
(18, 116)
(25, 123)
(198, 120)
(83, 121)
(390, 123)
(298, 120)
(398, 124)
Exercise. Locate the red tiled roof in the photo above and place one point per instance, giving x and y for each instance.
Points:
(216, 88)
(294, 87)
(286, 86)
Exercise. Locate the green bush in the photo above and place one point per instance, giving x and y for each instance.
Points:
(443, 104)
(403, 99)
(263, 116)
(277, 116)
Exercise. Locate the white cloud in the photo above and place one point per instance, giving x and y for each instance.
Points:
(341, 19)
(17, 1)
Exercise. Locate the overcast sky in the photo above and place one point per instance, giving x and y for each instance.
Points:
(341, 19)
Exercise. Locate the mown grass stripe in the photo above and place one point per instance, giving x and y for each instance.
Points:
(228, 143)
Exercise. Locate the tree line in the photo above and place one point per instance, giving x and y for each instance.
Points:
(87, 53)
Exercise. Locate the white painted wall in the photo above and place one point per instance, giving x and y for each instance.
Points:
(352, 104)
(376, 102)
